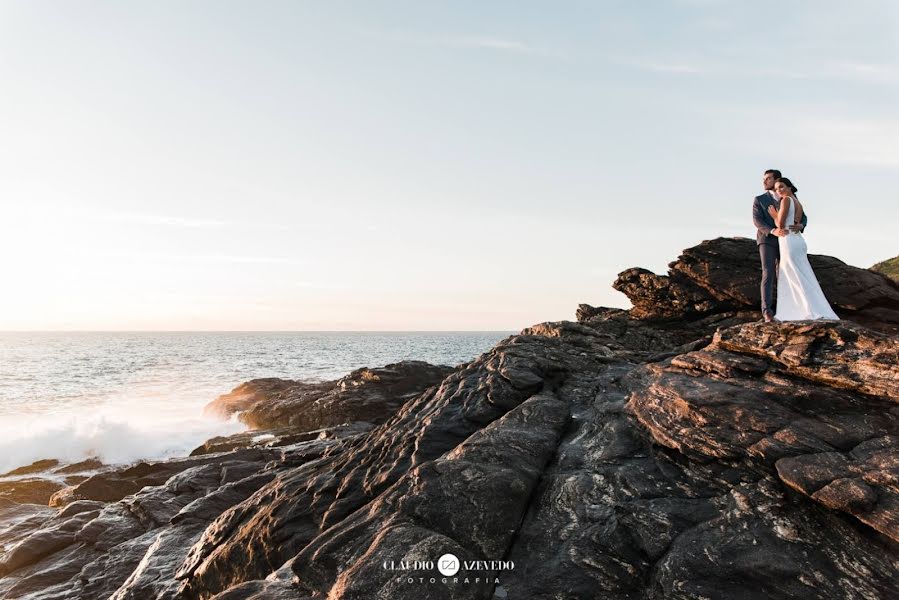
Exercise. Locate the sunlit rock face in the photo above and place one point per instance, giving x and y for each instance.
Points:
(680, 449)
(363, 395)
(722, 275)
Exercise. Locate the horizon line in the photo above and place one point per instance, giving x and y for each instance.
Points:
(255, 330)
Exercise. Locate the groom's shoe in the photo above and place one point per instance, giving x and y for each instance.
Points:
(769, 318)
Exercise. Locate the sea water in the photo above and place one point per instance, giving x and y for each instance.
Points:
(124, 396)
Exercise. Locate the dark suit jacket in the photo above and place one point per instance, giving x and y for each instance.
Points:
(763, 221)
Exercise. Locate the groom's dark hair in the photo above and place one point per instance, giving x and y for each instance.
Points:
(777, 174)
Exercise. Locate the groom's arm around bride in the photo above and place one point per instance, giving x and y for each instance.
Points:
(765, 224)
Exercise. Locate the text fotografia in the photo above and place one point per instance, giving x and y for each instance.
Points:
(449, 565)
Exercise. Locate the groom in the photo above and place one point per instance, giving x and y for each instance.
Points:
(766, 238)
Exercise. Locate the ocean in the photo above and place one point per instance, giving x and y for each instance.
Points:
(125, 396)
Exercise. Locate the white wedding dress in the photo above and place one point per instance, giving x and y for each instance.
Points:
(799, 296)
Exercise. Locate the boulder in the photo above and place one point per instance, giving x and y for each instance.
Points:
(724, 274)
(366, 394)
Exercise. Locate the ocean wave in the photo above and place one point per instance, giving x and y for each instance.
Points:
(112, 437)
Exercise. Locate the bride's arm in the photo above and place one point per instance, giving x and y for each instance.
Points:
(782, 213)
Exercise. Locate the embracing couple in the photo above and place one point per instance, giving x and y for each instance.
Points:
(780, 220)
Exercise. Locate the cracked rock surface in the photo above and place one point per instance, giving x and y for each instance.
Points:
(681, 451)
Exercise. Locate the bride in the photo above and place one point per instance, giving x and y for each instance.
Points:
(799, 296)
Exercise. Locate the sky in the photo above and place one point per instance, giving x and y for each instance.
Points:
(410, 165)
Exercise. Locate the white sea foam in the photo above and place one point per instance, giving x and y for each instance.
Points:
(109, 435)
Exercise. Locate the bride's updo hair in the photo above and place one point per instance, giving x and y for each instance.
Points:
(787, 183)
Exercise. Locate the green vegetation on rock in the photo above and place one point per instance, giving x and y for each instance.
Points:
(890, 268)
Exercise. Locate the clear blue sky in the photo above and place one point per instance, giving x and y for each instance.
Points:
(419, 165)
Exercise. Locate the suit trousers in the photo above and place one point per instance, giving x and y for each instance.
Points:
(770, 254)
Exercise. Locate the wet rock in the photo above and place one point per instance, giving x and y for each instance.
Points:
(133, 545)
(498, 468)
(863, 482)
(91, 464)
(818, 400)
(29, 490)
(291, 511)
(283, 436)
(110, 486)
(35, 467)
(252, 392)
(366, 394)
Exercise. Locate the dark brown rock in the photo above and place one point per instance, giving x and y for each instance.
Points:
(818, 400)
(863, 482)
(130, 548)
(35, 467)
(28, 490)
(723, 275)
(110, 486)
(319, 495)
(283, 436)
(253, 392)
(838, 354)
(365, 394)
(655, 339)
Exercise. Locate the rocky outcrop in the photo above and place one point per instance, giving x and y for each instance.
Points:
(112, 485)
(130, 508)
(38, 482)
(130, 548)
(631, 454)
(818, 402)
(274, 438)
(722, 276)
(366, 394)
(28, 490)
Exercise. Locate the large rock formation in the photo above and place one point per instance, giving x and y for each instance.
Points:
(722, 275)
(671, 451)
